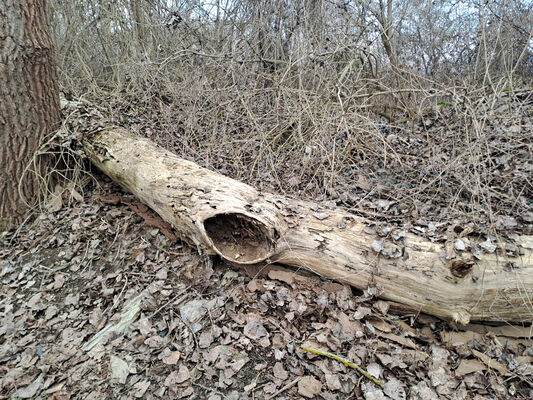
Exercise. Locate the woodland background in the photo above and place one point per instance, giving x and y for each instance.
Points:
(411, 102)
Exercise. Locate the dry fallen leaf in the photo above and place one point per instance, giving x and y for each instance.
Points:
(381, 325)
(206, 338)
(31, 390)
(349, 327)
(451, 338)
(309, 387)
(59, 280)
(395, 389)
(382, 306)
(489, 362)
(333, 382)
(55, 201)
(172, 358)
(362, 183)
(286, 276)
(377, 245)
(362, 312)
(279, 371)
(72, 299)
(468, 366)
(171, 379)
(391, 361)
(400, 339)
(140, 388)
(95, 317)
(459, 245)
(506, 330)
(34, 301)
(119, 369)
(183, 374)
(254, 329)
(254, 285)
(320, 215)
(50, 312)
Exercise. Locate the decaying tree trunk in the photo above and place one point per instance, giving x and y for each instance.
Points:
(245, 226)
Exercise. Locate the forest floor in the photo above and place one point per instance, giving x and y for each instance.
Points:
(187, 326)
(195, 328)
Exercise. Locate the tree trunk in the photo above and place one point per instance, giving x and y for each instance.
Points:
(245, 226)
(29, 99)
(386, 35)
(140, 28)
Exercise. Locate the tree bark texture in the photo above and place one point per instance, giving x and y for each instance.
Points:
(245, 226)
(29, 99)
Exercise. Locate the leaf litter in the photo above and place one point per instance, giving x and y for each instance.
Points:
(100, 299)
(82, 316)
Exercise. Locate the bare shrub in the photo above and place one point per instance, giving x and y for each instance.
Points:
(420, 106)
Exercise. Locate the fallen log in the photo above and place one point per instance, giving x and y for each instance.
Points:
(245, 226)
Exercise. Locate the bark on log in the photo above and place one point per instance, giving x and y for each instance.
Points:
(245, 226)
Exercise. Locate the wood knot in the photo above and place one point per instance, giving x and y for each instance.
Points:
(461, 268)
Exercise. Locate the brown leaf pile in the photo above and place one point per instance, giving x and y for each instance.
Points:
(208, 332)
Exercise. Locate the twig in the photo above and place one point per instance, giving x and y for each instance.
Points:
(171, 300)
(284, 388)
(345, 362)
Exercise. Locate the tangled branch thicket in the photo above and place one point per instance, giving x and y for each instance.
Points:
(391, 108)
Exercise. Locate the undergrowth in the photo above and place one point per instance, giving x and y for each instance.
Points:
(418, 152)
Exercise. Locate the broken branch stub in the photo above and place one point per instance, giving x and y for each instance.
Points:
(244, 226)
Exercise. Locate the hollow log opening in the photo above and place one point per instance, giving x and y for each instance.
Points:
(239, 238)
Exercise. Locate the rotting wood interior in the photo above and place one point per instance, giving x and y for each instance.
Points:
(239, 238)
